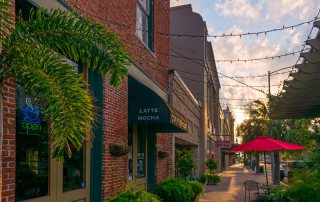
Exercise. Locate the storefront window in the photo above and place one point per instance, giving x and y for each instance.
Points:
(73, 171)
(32, 149)
(141, 156)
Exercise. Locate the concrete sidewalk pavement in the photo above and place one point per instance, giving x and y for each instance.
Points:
(231, 187)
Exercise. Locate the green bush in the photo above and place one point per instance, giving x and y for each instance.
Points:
(211, 164)
(197, 189)
(209, 178)
(132, 194)
(185, 164)
(304, 186)
(174, 190)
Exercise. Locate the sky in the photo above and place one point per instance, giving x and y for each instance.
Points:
(242, 16)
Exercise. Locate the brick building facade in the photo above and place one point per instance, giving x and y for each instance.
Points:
(148, 72)
(184, 101)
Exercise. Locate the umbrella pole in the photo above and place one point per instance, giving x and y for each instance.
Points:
(265, 166)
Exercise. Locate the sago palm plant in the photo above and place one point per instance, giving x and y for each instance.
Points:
(34, 53)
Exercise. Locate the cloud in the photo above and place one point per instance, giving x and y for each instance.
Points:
(279, 9)
(240, 10)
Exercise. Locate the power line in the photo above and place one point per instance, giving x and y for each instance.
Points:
(182, 36)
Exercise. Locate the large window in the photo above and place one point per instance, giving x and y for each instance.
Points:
(32, 171)
(144, 21)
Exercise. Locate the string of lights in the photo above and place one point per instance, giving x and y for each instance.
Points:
(305, 44)
(223, 60)
(183, 36)
(213, 102)
(259, 90)
(198, 74)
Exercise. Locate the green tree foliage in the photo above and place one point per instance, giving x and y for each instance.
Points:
(185, 163)
(212, 165)
(34, 52)
(258, 123)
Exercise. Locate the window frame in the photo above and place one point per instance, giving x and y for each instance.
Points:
(147, 11)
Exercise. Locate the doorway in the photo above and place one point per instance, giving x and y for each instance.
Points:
(138, 156)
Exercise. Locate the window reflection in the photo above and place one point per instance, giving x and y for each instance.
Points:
(73, 171)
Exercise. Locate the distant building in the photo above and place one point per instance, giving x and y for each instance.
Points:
(199, 75)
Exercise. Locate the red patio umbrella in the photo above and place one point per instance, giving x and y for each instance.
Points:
(264, 143)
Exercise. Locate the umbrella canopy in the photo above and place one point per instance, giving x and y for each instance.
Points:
(264, 143)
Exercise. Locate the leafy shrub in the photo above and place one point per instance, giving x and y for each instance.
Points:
(174, 190)
(210, 178)
(197, 189)
(185, 163)
(276, 194)
(304, 186)
(132, 194)
(211, 164)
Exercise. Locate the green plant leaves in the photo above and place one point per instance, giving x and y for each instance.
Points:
(35, 53)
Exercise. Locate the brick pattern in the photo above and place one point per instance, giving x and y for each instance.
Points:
(115, 100)
(9, 141)
(111, 14)
(115, 131)
(121, 14)
(184, 103)
(163, 141)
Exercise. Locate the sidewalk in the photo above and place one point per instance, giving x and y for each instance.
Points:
(231, 187)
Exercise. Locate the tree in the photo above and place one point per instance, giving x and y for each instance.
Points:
(212, 165)
(185, 163)
(34, 52)
(295, 131)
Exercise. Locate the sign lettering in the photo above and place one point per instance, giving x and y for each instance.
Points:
(148, 114)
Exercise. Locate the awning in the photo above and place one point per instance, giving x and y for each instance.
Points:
(147, 107)
(301, 96)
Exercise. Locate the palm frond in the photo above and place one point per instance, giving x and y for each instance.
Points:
(61, 90)
(34, 54)
(79, 39)
(6, 19)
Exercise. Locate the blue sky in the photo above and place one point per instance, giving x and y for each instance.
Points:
(236, 16)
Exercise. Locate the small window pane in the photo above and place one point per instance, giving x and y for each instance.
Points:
(32, 149)
(73, 171)
(145, 5)
(142, 25)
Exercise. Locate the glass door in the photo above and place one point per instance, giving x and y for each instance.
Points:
(74, 177)
(140, 157)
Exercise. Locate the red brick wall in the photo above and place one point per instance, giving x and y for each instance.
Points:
(163, 165)
(115, 132)
(8, 144)
(113, 13)
(115, 100)
(7, 175)
(120, 17)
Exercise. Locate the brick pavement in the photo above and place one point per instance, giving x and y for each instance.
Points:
(231, 188)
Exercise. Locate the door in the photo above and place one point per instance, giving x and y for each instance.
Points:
(138, 159)
(73, 177)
